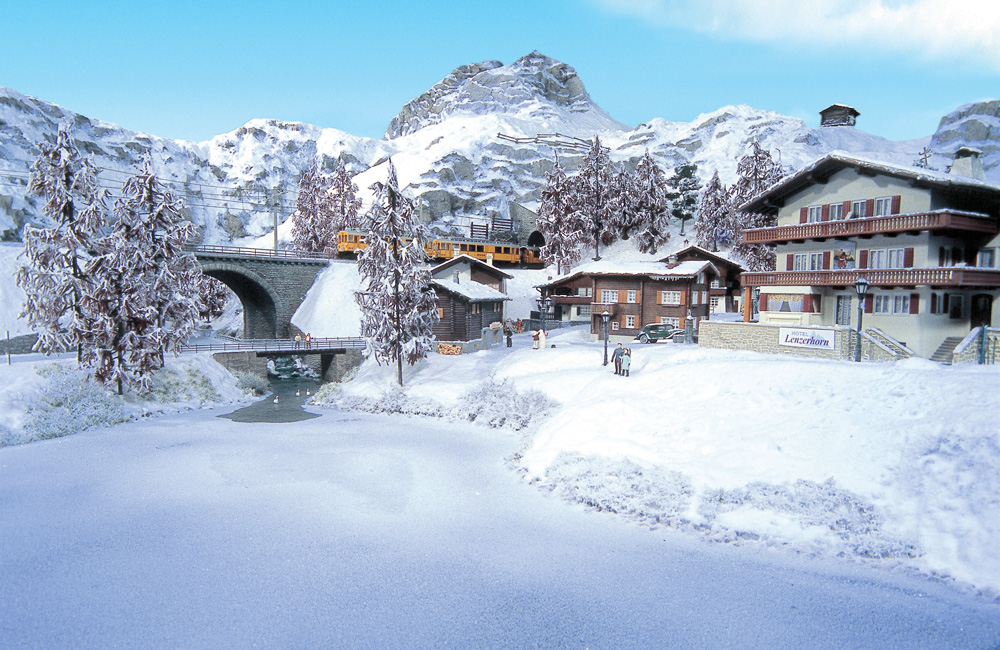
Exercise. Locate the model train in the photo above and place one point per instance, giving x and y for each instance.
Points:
(350, 242)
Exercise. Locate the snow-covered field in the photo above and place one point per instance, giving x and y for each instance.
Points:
(859, 503)
(898, 464)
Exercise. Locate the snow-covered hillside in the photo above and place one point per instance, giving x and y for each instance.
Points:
(820, 457)
(445, 148)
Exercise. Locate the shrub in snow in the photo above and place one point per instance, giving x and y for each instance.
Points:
(501, 406)
(852, 519)
(251, 384)
(183, 385)
(393, 400)
(649, 496)
(69, 403)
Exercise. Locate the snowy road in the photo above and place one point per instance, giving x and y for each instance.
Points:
(357, 531)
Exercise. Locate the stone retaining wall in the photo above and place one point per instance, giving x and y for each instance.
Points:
(730, 335)
(970, 349)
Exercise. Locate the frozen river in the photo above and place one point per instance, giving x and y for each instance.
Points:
(358, 531)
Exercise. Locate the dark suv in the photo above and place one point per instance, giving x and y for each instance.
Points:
(659, 332)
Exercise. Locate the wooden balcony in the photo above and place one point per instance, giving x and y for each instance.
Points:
(946, 276)
(891, 224)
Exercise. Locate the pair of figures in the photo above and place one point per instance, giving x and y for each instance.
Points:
(623, 359)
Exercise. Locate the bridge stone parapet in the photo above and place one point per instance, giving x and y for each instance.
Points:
(270, 285)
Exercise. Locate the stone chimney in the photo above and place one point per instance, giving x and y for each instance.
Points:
(672, 261)
(967, 163)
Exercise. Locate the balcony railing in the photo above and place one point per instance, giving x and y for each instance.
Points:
(895, 223)
(947, 276)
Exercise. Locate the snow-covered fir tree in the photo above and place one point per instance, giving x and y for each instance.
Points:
(147, 289)
(398, 307)
(595, 196)
(757, 171)
(343, 202)
(54, 277)
(651, 204)
(313, 228)
(711, 228)
(623, 215)
(559, 222)
(683, 191)
(213, 296)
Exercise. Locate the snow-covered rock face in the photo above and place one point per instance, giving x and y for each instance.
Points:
(532, 86)
(445, 148)
(973, 125)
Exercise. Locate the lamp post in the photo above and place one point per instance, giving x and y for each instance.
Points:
(861, 286)
(543, 307)
(605, 317)
(755, 307)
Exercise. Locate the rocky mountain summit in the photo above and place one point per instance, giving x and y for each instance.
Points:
(445, 147)
(533, 86)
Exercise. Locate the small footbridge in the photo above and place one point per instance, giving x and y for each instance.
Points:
(331, 358)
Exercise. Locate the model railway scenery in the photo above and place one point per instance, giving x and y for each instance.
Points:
(350, 242)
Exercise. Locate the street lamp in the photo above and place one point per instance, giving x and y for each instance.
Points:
(543, 307)
(755, 307)
(605, 317)
(861, 286)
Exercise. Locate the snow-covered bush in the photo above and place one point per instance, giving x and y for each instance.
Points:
(393, 400)
(650, 496)
(69, 403)
(498, 406)
(501, 406)
(804, 505)
(182, 385)
(251, 384)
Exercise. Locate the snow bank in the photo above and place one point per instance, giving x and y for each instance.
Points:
(893, 461)
(11, 296)
(51, 397)
(329, 308)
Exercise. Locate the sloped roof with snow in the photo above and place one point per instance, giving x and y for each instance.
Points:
(824, 167)
(472, 261)
(471, 291)
(654, 270)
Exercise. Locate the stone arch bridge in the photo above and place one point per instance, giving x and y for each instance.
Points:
(270, 284)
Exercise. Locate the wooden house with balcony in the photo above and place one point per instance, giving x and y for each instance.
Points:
(927, 242)
(470, 297)
(634, 294)
(724, 291)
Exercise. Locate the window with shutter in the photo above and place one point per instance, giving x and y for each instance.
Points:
(863, 259)
(908, 258)
(914, 303)
(826, 260)
(803, 215)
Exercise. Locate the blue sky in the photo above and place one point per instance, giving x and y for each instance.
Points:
(193, 70)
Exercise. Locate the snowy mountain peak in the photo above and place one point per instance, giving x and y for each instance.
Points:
(533, 87)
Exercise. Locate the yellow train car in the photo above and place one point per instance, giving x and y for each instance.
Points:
(351, 242)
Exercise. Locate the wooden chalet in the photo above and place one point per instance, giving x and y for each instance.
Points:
(724, 292)
(634, 294)
(470, 297)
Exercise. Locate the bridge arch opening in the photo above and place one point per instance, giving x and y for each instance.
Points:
(260, 312)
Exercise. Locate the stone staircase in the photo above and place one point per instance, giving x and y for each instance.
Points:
(944, 352)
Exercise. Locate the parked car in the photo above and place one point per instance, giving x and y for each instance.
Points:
(659, 332)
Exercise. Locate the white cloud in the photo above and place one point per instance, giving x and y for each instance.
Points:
(941, 30)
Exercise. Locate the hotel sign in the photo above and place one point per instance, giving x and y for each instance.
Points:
(803, 338)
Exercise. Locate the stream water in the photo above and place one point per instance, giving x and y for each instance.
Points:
(288, 407)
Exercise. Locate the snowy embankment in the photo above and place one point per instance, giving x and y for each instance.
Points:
(50, 397)
(894, 462)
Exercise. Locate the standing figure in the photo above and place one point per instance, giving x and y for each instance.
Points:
(626, 361)
(508, 333)
(541, 339)
(298, 340)
(309, 339)
(518, 326)
(616, 356)
(534, 340)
